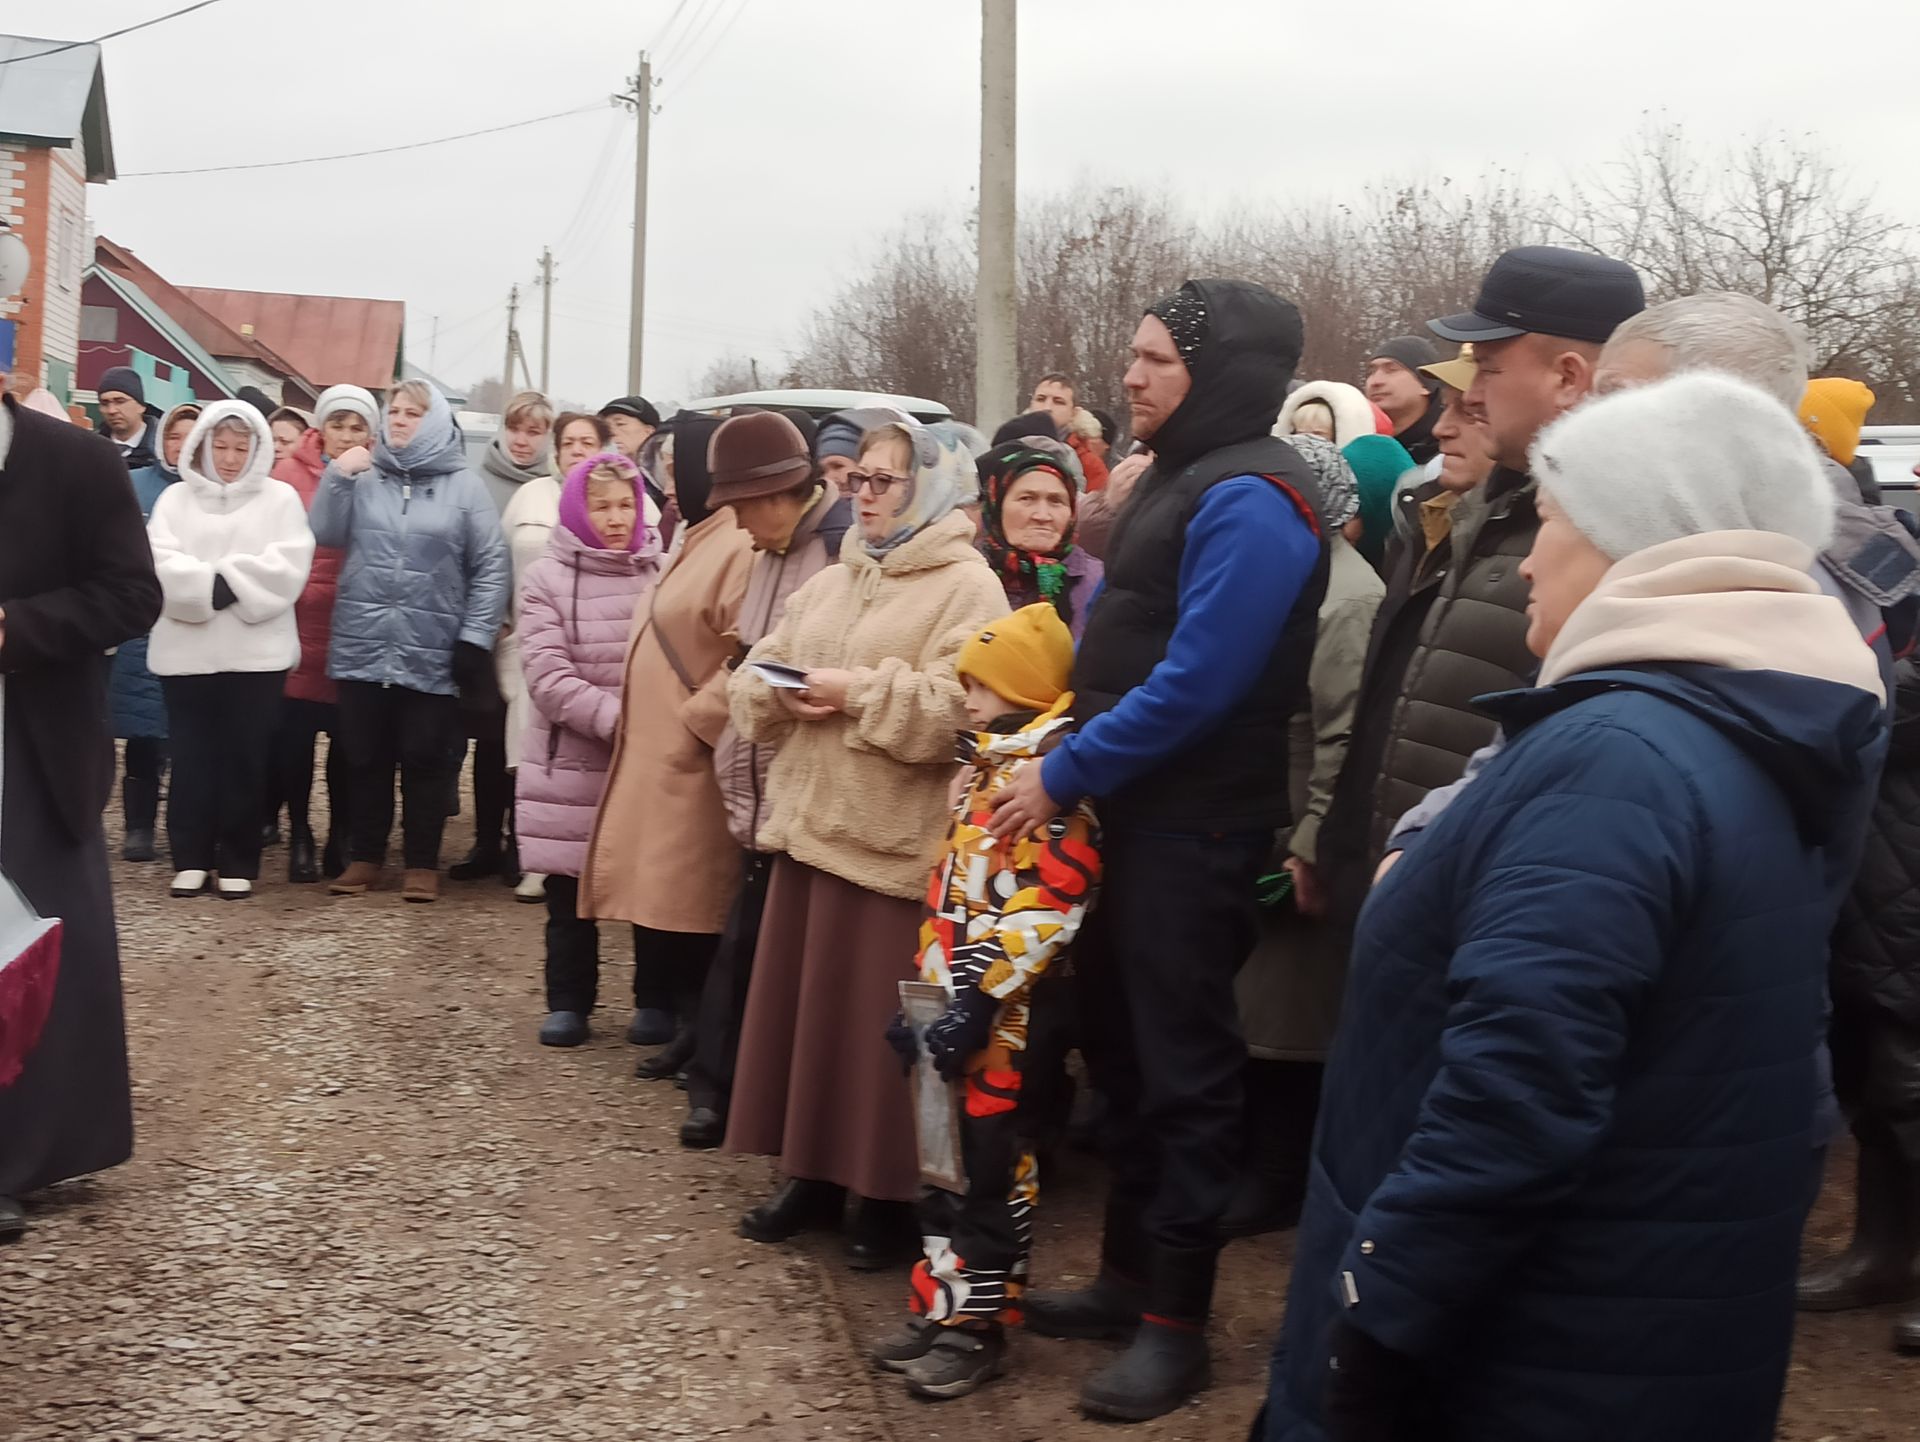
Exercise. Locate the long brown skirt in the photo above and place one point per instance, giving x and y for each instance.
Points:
(817, 1084)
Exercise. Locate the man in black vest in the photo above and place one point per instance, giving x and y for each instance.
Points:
(1194, 658)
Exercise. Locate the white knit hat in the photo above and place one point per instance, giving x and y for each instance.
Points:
(1698, 452)
(347, 398)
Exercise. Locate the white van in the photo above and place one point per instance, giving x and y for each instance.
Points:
(819, 403)
(1894, 451)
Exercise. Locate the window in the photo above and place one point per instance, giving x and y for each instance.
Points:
(99, 323)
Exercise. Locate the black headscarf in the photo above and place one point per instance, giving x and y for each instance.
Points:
(1033, 423)
(692, 483)
(1240, 343)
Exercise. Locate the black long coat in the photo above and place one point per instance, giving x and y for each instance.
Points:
(76, 579)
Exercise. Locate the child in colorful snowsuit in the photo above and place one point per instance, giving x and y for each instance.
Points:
(999, 913)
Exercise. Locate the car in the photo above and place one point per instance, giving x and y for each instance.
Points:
(819, 403)
(1893, 451)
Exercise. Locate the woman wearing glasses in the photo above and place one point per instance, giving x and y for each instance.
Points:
(858, 793)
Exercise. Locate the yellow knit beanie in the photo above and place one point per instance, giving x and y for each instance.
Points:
(1025, 659)
(1834, 409)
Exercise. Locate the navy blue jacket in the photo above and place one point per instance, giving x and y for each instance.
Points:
(133, 692)
(1564, 1151)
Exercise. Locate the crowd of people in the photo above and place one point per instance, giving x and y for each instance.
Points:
(1468, 816)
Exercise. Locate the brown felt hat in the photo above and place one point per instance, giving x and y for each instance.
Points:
(759, 454)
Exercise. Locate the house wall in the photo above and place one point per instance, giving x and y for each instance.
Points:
(43, 196)
(136, 343)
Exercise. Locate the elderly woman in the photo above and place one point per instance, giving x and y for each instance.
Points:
(765, 474)
(1566, 1144)
(1030, 491)
(858, 793)
(660, 856)
(422, 594)
(232, 549)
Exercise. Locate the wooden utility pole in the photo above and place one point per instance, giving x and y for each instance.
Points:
(996, 317)
(641, 99)
(513, 343)
(546, 315)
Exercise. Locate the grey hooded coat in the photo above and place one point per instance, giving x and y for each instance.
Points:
(425, 567)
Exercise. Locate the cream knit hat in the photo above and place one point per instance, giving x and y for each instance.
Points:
(1695, 453)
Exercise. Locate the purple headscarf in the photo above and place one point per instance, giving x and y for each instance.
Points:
(573, 500)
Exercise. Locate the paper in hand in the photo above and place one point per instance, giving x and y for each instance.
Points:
(786, 678)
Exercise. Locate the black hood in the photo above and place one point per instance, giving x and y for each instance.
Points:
(692, 482)
(1240, 372)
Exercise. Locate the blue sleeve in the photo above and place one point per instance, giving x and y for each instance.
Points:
(1570, 890)
(1249, 554)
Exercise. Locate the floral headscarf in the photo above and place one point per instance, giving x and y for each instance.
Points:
(1339, 488)
(943, 478)
(1023, 572)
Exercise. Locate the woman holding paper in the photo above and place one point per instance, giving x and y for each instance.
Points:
(858, 809)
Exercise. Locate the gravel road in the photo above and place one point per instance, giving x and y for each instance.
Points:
(366, 1205)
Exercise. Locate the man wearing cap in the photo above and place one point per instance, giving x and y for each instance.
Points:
(1399, 383)
(1454, 623)
(633, 420)
(126, 419)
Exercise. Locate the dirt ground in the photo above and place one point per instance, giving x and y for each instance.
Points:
(366, 1204)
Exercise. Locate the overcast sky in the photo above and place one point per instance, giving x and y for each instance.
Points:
(792, 133)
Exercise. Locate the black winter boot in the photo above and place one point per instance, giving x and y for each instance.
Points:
(303, 863)
(1882, 1263)
(479, 863)
(140, 804)
(798, 1205)
(1108, 1311)
(1906, 1332)
(881, 1235)
(1168, 1361)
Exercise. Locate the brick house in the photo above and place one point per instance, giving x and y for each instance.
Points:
(54, 140)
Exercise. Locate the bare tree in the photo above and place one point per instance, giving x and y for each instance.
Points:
(1773, 218)
(730, 375)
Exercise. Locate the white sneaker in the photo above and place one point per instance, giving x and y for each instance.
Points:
(532, 887)
(189, 883)
(235, 888)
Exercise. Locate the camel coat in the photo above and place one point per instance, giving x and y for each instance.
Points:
(863, 795)
(660, 856)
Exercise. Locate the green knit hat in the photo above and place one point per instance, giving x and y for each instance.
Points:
(1378, 464)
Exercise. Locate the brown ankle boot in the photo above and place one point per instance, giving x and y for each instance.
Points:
(420, 885)
(359, 878)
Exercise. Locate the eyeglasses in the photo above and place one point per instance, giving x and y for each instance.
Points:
(878, 484)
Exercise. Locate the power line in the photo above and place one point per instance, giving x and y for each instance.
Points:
(111, 34)
(697, 29)
(718, 40)
(359, 154)
(667, 29)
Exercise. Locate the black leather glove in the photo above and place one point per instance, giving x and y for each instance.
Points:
(901, 1038)
(962, 1029)
(1367, 1387)
(472, 666)
(223, 596)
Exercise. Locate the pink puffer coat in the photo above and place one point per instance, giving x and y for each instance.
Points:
(576, 613)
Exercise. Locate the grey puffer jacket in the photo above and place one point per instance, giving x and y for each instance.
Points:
(425, 567)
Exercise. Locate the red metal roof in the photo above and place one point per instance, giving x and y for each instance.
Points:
(335, 340)
(213, 334)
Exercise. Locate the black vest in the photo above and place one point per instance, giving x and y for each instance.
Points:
(1232, 777)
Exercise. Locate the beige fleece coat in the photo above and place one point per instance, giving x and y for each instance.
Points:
(660, 854)
(862, 795)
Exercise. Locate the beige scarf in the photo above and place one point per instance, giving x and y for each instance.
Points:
(1740, 599)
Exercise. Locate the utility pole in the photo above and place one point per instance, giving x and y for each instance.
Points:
(433, 347)
(513, 343)
(546, 314)
(996, 345)
(641, 99)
